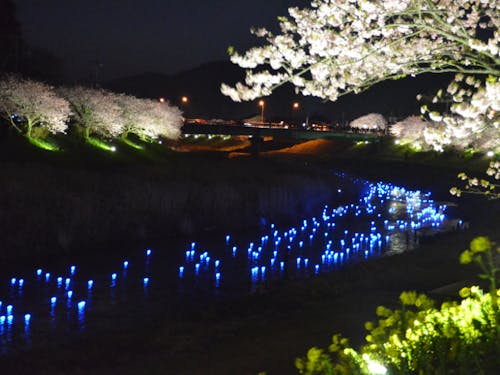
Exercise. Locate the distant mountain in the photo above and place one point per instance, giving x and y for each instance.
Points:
(201, 86)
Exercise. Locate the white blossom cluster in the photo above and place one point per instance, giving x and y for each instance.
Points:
(34, 104)
(473, 119)
(371, 121)
(99, 113)
(342, 46)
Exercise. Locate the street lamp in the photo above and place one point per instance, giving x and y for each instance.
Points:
(161, 100)
(262, 105)
(184, 100)
(296, 105)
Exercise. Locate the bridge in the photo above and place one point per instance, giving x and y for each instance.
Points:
(261, 131)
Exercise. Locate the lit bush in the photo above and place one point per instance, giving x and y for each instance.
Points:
(459, 337)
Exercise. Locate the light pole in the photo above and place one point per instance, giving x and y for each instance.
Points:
(262, 105)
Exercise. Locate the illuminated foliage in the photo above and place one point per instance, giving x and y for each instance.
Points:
(28, 105)
(95, 111)
(480, 186)
(149, 119)
(337, 47)
(372, 121)
(418, 338)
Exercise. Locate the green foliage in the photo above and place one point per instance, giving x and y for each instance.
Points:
(458, 337)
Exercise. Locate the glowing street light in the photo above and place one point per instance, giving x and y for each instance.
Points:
(184, 100)
(296, 105)
(262, 104)
(161, 100)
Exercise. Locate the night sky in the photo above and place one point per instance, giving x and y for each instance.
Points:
(134, 36)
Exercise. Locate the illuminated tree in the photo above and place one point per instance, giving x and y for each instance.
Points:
(410, 130)
(29, 105)
(95, 111)
(372, 121)
(149, 119)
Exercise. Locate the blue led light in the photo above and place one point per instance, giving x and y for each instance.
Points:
(13, 281)
(21, 282)
(69, 294)
(2, 319)
(39, 272)
(90, 284)
(53, 300)
(125, 264)
(72, 270)
(145, 281)
(47, 276)
(81, 305)
(9, 309)
(148, 252)
(113, 276)
(27, 318)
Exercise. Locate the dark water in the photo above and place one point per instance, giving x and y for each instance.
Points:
(58, 302)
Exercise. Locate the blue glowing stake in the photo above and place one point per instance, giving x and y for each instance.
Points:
(113, 276)
(217, 263)
(125, 264)
(69, 294)
(90, 284)
(9, 309)
(181, 271)
(228, 237)
(47, 277)
(197, 268)
(2, 320)
(148, 252)
(145, 281)
(10, 319)
(39, 272)
(27, 319)
(21, 283)
(72, 270)
(81, 306)
(13, 281)
(53, 301)
(316, 268)
(67, 282)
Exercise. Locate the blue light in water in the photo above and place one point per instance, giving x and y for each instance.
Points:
(72, 270)
(148, 252)
(90, 284)
(39, 272)
(9, 309)
(125, 264)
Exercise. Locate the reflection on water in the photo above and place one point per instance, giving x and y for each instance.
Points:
(385, 220)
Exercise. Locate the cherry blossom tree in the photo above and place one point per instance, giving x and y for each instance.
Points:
(28, 105)
(149, 119)
(95, 111)
(410, 130)
(338, 47)
(371, 121)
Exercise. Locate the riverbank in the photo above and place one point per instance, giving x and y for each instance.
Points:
(266, 331)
